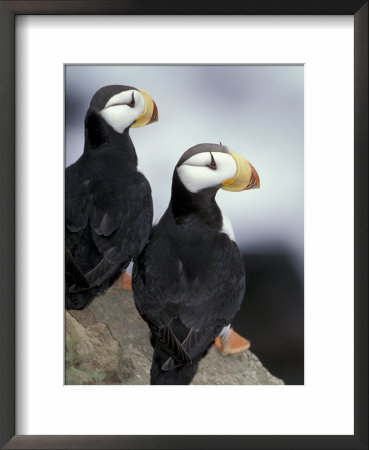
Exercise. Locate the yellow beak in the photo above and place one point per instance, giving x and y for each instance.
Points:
(246, 176)
(150, 115)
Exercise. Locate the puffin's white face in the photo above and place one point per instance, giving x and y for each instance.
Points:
(123, 109)
(207, 169)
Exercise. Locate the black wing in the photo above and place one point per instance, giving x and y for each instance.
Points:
(108, 218)
(196, 292)
(205, 288)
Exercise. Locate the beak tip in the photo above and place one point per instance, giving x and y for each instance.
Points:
(155, 114)
(254, 181)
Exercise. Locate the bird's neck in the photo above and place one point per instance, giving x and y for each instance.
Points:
(201, 206)
(101, 138)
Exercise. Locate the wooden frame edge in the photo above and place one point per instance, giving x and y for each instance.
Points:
(8, 10)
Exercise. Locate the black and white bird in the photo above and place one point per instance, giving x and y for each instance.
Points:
(108, 204)
(189, 281)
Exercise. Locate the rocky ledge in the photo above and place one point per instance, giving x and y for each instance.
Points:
(108, 343)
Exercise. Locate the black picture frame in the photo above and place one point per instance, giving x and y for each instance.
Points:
(8, 11)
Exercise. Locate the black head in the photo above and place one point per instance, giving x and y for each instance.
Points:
(213, 166)
(103, 95)
(116, 108)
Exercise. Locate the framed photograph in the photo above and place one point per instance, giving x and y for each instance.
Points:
(289, 83)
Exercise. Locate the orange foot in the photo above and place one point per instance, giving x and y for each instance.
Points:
(234, 344)
(124, 282)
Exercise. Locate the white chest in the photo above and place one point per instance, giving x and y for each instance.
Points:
(227, 227)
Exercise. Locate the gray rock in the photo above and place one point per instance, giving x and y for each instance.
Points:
(92, 355)
(108, 343)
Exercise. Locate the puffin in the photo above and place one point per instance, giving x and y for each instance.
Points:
(189, 280)
(108, 203)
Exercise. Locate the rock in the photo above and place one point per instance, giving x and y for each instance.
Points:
(108, 343)
(244, 368)
(92, 355)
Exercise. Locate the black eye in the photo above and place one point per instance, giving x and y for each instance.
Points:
(132, 102)
(213, 164)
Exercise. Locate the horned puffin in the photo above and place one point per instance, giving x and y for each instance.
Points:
(189, 281)
(108, 204)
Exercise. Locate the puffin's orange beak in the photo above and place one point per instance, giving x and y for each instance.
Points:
(155, 114)
(254, 181)
(245, 178)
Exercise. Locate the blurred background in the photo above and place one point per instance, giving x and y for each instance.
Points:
(258, 111)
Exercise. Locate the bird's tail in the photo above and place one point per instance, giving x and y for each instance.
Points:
(74, 272)
(80, 287)
(182, 374)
